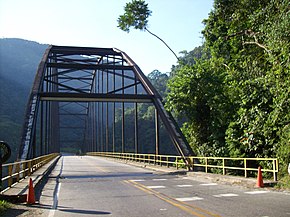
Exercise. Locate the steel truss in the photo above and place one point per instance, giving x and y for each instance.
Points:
(83, 91)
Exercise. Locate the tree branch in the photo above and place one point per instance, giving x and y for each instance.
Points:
(163, 43)
(247, 32)
(258, 44)
(250, 33)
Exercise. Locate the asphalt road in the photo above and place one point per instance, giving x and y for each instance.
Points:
(93, 186)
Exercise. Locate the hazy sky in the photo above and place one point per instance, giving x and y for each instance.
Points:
(93, 23)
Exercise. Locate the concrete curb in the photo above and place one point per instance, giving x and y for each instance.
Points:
(18, 192)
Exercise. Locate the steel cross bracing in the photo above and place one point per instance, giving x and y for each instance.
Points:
(77, 95)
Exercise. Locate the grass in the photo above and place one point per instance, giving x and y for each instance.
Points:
(284, 183)
(4, 205)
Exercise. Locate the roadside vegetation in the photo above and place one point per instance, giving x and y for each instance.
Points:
(233, 92)
(4, 205)
(284, 183)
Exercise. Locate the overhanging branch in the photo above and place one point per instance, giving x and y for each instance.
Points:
(163, 42)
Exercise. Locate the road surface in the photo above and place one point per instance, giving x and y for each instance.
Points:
(94, 186)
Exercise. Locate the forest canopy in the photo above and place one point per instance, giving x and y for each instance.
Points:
(235, 89)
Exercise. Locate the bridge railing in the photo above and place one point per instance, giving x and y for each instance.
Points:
(14, 172)
(247, 167)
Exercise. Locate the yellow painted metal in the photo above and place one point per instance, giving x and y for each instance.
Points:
(208, 163)
(19, 170)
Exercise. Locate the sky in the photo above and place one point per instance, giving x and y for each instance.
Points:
(93, 23)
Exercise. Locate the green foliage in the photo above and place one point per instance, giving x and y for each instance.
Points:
(159, 81)
(236, 95)
(4, 205)
(197, 92)
(284, 183)
(283, 150)
(136, 15)
(146, 122)
(179, 164)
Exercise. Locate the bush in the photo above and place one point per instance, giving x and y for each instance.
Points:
(4, 205)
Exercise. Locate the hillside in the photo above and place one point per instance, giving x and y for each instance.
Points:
(18, 63)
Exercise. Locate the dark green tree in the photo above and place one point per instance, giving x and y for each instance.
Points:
(241, 90)
(197, 92)
(159, 81)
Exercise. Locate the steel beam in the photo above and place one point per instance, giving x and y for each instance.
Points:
(95, 97)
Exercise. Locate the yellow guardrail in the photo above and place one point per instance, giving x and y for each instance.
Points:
(14, 172)
(222, 165)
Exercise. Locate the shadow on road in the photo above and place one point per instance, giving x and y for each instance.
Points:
(85, 212)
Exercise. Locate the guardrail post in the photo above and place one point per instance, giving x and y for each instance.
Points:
(224, 169)
(24, 169)
(206, 164)
(18, 172)
(10, 179)
(275, 162)
(245, 167)
(0, 171)
(192, 163)
(29, 168)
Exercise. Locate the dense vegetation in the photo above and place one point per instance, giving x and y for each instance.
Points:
(236, 95)
(18, 63)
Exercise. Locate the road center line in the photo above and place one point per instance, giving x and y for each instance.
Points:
(226, 195)
(256, 192)
(189, 198)
(159, 179)
(184, 186)
(155, 186)
(208, 184)
(189, 208)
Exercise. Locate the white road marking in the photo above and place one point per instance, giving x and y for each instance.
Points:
(226, 195)
(138, 180)
(155, 186)
(208, 184)
(183, 199)
(256, 192)
(159, 179)
(55, 201)
(184, 186)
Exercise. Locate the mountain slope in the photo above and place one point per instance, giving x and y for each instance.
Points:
(18, 63)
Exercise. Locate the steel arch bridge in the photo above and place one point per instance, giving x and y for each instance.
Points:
(77, 95)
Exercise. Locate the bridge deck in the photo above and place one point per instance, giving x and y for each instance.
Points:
(92, 186)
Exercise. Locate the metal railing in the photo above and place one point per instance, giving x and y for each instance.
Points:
(246, 167)
(14, 172)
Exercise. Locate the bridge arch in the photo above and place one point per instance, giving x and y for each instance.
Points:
(89, 84)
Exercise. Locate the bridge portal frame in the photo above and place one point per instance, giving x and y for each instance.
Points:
(82, 75)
